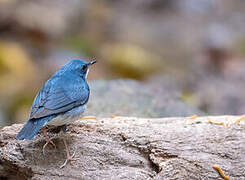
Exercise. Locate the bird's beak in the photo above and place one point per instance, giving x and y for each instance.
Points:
(92, 62)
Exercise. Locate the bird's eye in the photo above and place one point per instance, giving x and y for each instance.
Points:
(84, 68)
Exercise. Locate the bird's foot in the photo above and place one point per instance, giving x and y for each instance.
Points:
(68, 159)
(48, 141)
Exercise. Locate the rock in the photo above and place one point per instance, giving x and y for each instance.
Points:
(131, 148)
(158, 98)
(215, 93)
(229, 100)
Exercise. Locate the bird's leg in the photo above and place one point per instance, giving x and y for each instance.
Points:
(68, 157)
(48, 140)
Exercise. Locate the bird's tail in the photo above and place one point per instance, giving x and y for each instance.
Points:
(32, 127)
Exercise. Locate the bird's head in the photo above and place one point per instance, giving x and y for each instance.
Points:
(79, 67)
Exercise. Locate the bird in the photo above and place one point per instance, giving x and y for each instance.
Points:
(61, 101)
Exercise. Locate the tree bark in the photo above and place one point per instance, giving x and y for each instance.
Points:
(130, 148)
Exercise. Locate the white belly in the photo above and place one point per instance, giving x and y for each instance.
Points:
(60, 120)
(68, 117)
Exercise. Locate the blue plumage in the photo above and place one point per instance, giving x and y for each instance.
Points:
(61, 100)
(32, 127)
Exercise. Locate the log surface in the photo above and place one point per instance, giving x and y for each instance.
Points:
(131, 148)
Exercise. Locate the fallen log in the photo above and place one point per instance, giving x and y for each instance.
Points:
(131, 148)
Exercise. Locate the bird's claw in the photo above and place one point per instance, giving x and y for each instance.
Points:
(68, 159)
(48, 141)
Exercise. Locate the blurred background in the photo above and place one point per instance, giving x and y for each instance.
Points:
(197, 45)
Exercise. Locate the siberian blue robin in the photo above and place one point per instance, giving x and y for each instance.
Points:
(61, 101)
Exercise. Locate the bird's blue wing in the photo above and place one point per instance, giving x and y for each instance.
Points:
(60, 94)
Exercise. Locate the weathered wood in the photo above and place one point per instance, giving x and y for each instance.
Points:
(131, 148)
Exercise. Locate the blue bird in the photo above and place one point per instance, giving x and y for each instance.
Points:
(61, 101)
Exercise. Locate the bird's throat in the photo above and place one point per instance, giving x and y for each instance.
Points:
(86, 74)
